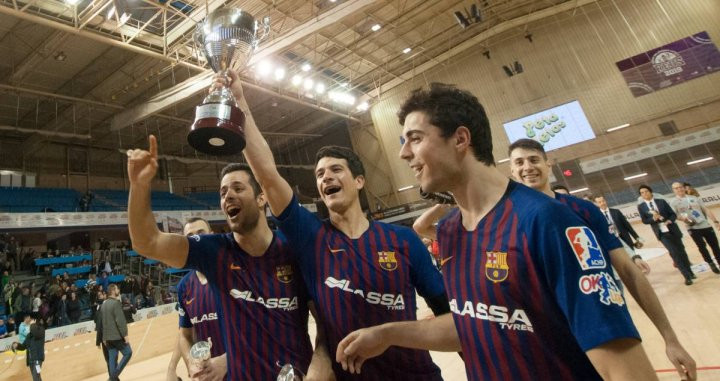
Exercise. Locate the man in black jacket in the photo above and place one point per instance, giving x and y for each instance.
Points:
(97, 317)
(623, 228)
(35, 344)
(659, 215)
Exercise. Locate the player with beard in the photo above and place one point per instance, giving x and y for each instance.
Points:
(529, 288)
(359, 272)
(260, 296)
(198, 318)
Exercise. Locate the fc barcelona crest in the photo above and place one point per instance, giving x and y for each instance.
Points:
(387, 260)
(496, 268)
(284, 273)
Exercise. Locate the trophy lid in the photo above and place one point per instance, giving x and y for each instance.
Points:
(227, 37)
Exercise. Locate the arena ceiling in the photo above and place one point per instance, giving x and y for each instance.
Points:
(74, 71)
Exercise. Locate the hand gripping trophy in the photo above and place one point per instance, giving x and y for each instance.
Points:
(227, 37)
(289, 373)
(200, 353)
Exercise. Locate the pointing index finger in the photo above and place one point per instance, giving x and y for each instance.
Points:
(153, 146)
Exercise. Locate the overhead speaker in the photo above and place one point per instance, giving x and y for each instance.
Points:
(668, 128)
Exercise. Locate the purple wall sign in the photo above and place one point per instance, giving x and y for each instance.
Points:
(671, 64)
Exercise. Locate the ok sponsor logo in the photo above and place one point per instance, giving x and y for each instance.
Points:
(603, 284)
(585, 247)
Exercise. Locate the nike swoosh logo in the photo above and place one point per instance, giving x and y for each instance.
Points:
(235, 267)
(444, 260)
(334, 251)
(188, 302)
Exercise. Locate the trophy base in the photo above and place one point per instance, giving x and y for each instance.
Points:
(217, 130)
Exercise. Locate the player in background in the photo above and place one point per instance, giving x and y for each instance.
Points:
(359, 272)
(198, 318)
(529, 165)
(526, 302)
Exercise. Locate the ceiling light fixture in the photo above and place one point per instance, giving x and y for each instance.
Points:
(505, 160)
(579, 190)
(279, 73)
(297, 80)
(407, 50)
(308, 84)
(320, 88)
(639, 175)
(60, 56)
(363, 106)
(700, 160)
(406, 188)
(264, 68)
(306, 67)
(375, 27)
(620, 127)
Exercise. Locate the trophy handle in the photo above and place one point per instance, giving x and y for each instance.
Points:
(265, 29)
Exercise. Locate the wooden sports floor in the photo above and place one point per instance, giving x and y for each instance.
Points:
(693, 310)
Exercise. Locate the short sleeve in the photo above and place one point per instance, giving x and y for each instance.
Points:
(298, 224)
(203, 253)
(182, 312)
(301, 227)
(425, 276)
(578, 273)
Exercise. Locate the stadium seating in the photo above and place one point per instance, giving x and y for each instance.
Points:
(35, 200)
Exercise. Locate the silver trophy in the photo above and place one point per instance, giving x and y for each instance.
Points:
(227, 37)
(289, 373)
(200, 352)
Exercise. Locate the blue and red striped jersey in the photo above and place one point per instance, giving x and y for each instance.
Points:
(531, 290)
(262, 304)
(196, 307)
(358, 283)
(593, 217)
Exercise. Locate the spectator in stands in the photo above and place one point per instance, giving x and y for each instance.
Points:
(149, 295)
(128, 309)
(61, 313)
(37, 302)
(3, 329)
(107, 267)
(10, 325)
(104, 282)
(54, 286)
(23, 304)
(126, 287)
(23, 331)
(7, 267)
(5, 279)
(28, 260)
(91, 282)
(85, 201)
(73, 308)
(8, 292)
(12, 252)
(35, 344)
(166, 297)
(690, 190)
